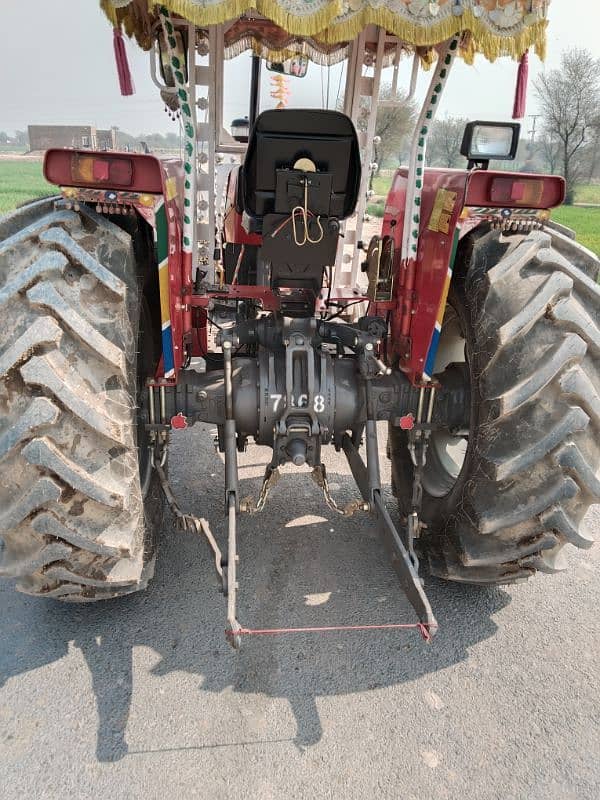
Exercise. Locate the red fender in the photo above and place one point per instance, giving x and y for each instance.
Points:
(414, 313)
(452, 204)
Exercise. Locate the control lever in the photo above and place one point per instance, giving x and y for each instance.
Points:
(369, 365)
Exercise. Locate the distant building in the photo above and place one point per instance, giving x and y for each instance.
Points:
(107, 139)
(82, 137)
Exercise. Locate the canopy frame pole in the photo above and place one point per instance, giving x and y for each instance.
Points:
(416, 165)
(207, 160)
(368, 151)
(414, 75)
(396, 65)
(359, 90)
(187, 106)
(254, 91)
(347, 243)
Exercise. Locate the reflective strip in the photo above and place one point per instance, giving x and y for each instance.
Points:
(435, 339)
(162, 255)
(163, 282)
(167, 345)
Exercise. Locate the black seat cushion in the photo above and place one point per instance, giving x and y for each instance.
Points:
(280, 137)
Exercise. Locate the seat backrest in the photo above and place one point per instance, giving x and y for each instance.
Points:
(279, 139)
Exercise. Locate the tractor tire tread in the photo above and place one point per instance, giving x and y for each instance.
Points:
(532, 464)
(72, 519)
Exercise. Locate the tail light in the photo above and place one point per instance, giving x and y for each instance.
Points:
(134, 172)
(112, 170)
(514, 190)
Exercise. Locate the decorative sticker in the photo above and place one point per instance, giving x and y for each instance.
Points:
(439, 221)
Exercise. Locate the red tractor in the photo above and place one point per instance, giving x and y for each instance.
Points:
(466, 324)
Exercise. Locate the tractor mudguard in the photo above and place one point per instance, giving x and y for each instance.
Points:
(414, 318)
(126, 183)
(453, 203)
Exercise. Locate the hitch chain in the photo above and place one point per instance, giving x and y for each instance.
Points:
(248, 505)
(319, 476)
(159, 439)
(193, 524)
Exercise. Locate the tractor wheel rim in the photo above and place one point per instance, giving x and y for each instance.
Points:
(446, 453)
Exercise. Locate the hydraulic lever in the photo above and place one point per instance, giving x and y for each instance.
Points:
(368, 481)
(231, 499)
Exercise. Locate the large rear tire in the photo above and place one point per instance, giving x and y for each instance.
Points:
(79, 504)
(505, 504)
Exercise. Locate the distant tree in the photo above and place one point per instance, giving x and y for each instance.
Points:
(569, 99)
(145, 142)
(155, 141)
(592, 151)
(445, 139)
(3, 137)
(21, 138)
(172, 140)
(395, 120)
(549, 149)
(126, 140)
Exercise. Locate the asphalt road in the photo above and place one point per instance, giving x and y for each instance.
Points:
(142, 697)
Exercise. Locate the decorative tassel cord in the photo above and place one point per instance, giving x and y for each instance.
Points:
(123, 71)
(520, 106)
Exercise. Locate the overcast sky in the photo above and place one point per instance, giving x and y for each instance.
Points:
(57, 66)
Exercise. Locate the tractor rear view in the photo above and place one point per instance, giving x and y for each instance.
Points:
(466, 325)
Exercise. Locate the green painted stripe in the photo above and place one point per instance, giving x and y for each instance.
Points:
(162, 233)
(455, 242)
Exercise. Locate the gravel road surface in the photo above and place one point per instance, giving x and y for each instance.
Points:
(143, 698)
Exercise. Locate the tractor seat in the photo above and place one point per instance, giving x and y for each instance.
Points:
(298, 156)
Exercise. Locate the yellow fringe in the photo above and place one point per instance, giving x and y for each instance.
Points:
(248, 43)
(321, 25)
(110, 11)
(128, 21)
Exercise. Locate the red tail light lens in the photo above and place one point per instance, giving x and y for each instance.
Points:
(518, 191)
(101, 169)
(514, 190)
(113, 171)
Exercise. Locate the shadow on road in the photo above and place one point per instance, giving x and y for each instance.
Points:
(292, 574)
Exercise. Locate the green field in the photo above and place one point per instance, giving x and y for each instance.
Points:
(381, 184)
(23, 180)
(13, 149)
(584, 221)
(588, 194)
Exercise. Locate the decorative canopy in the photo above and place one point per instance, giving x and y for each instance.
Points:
(322, 28)
(269, 41)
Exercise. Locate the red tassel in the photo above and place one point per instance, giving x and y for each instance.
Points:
(125, 81)
(520, 106)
